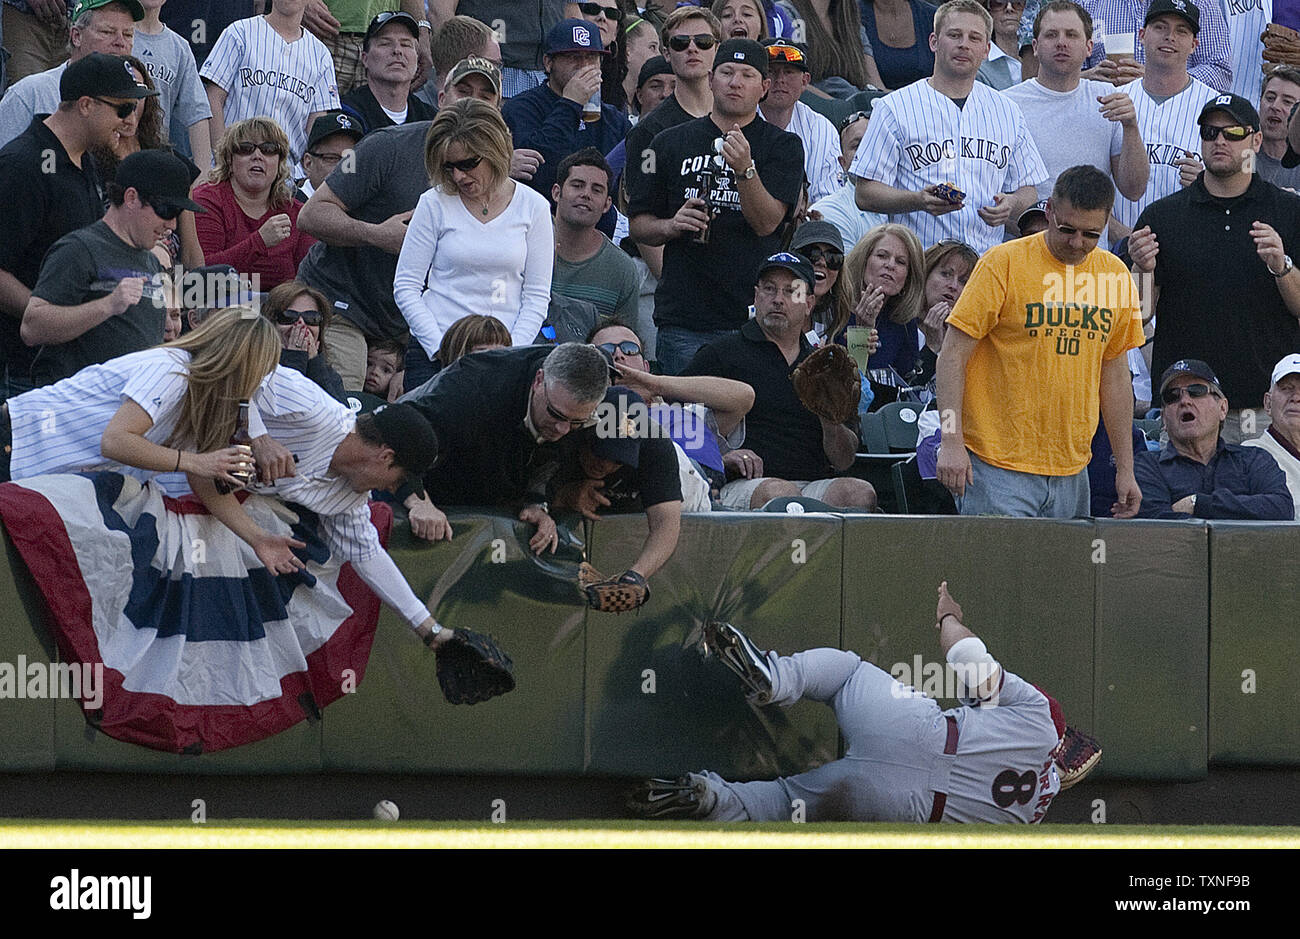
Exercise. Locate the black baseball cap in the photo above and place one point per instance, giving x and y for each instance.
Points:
(574, 35)
(159, 176)
(1038, 208)
(655, 65)
(409, 434)
(817, 233)
(794, 263)
(745, 51)
(1184, 8)
(101, 75)
(624, 444)
(331, 123)
(387, 17)
(1188, 367)
(1235, 106)
(794, 54)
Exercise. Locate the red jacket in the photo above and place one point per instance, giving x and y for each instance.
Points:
(228, 236)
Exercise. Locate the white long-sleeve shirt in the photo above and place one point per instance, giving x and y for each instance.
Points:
(452, 265)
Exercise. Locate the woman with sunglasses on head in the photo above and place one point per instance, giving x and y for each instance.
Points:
(478, 242)
(251, 220)
(301, 317)
(608, 16)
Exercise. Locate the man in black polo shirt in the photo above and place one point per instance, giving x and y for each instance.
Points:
(790, 451)
(498, 411)
(731, 175)
(48, 188)
(1226, 288)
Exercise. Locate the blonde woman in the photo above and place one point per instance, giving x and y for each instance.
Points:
(885, 274)
(251, 217)
(478, 242)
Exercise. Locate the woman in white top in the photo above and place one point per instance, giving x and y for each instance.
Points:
(478, 242)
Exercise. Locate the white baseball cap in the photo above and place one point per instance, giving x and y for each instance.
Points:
(1290, 365)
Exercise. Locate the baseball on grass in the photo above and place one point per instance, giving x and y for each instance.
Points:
(386, 811)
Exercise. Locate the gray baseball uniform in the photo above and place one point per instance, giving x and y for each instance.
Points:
(905, 759)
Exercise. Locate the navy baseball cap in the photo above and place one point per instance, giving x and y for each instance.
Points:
(1038, 208)
(744, 51)
(794, 263)
(1187, 9)
(331, 123)
(574, 35)
(386, 18)
(101, 75)
(1188, 367)
(1235, 106)
(409, 434)
(624, 445)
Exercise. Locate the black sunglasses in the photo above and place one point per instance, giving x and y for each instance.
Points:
(265, 147)
(833, 259)
(595, 9)
(463, 165)
(1198, 390)
(682, 43)
(124, 110)
(289, 317)
(1234, 132)
(163, 210)
(627, 347)
(853, 118)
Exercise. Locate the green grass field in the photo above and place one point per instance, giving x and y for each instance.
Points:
(247, 833)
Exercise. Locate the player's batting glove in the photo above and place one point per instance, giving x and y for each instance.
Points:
(473, 668)
(619, 594)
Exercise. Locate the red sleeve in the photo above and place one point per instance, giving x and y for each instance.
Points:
(219, 231)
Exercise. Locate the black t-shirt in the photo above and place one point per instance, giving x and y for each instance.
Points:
(361, 101)
(86, 265)
(668, 113)
(477, 407)
(1218, 302)
(655, 479)
(710, 286)
(784, 433)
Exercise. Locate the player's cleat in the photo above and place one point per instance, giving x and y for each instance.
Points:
(1075, 756)
(683, 797)
(740, 655)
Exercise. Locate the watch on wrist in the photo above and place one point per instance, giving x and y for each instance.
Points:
(434, 632)
(1287, 264)
(751, 172)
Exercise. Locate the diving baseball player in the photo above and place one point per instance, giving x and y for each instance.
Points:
(270, 66)
(947, 156)
(994, 759)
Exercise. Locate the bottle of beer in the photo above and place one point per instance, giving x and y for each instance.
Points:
(705, 179)
(241, 437)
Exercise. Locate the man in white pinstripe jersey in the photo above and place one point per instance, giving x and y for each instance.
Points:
(950, 129)
(787, 67)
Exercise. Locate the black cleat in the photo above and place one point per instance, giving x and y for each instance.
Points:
(740, 655)
(683, 797)
(1075, 756)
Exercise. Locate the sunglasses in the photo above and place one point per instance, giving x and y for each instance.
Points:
(463, 165)
(682, 43)
(833, 259)
(1198, 390)
(266, 148)
(595, 9)
(327, 158)
(574, 423)
(163, 210)
(780, 52)
(1003, 4)
(1069, 230)
(1234, 133)
(853, 119)
(289, 317)
(627, 347)
(124, 110)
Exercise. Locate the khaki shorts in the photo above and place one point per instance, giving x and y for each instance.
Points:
(737, 493)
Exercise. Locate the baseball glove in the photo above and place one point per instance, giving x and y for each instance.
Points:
(827, 384)
(612, 594)
(473, 668)
(1281, 45)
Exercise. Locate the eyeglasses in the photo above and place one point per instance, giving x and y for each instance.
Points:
(595, 9)
(797, 291)
(780, 51)
(627, 347)
(163, 210)
(574, 423)
(266, 148)
(682, 43)
(1234, 132)
(124, 109)
(1003, 4)
(328, 158)
(853, 119)
(309, 317)
(463, 165)
(833, 259)
(1069, 230)
(1198, 390)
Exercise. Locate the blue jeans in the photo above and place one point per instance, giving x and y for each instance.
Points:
(675, 346)
(998, 491)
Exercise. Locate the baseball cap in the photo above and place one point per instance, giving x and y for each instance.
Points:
(162, 177)
(100, 74)
(655, 65)
(745, 51)
(793, 263)
(791, 53)
(817, 233)
(624, 445)
(412, 438)
(1235, 106)
(573, 35)
(475, 64)
(1187, 9)
(85, 6)
(1287, 365)
(386, 18)
(1038, 208)
(331, 123)
(1188, 367)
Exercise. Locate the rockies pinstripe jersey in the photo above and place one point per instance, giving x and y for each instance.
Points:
(821, 150)
(918, 137)
(1246, 21)
(1169, 131)
(265, 76)
(1210, 62)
